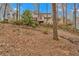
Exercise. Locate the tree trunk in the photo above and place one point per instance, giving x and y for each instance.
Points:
(1, 12)
(57, 12)
(55, 33)
(4, 15)
(66, 13)
(38, 7)
(19, 10)
(17, 14)
(63, 11)
(75, 15)
(47, 12)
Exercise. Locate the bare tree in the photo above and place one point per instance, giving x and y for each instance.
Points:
(57, 10)
(5, 8)
(75, 15)
(1, 10)
(66, 13)
(17, 11)
(55, 33)
(37, 5)
(47, 11)
(63, 12)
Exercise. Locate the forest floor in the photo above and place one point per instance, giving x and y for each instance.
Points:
(18, 40)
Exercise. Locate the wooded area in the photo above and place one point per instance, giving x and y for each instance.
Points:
(35, 33)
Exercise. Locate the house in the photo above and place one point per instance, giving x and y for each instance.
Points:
(9, 12)
(43, 17)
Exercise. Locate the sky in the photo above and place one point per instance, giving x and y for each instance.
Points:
(30, 6)
(42, 8)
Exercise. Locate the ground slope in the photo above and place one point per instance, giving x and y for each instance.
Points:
(23, 40)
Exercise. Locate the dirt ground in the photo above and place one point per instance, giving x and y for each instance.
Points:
(26, 41)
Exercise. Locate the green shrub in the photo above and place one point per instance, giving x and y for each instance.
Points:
(27, 19)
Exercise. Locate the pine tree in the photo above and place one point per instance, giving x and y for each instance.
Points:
(55, 33)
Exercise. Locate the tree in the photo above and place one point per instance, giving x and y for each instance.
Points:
(1, 11)
(57, 6)
(5, 8)
(47, 11)
(55, 33)
(66, 13)
(75, 15)
(37, 5)
(63, 9)
(57, 10)
(28, 19)
(18, 11)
